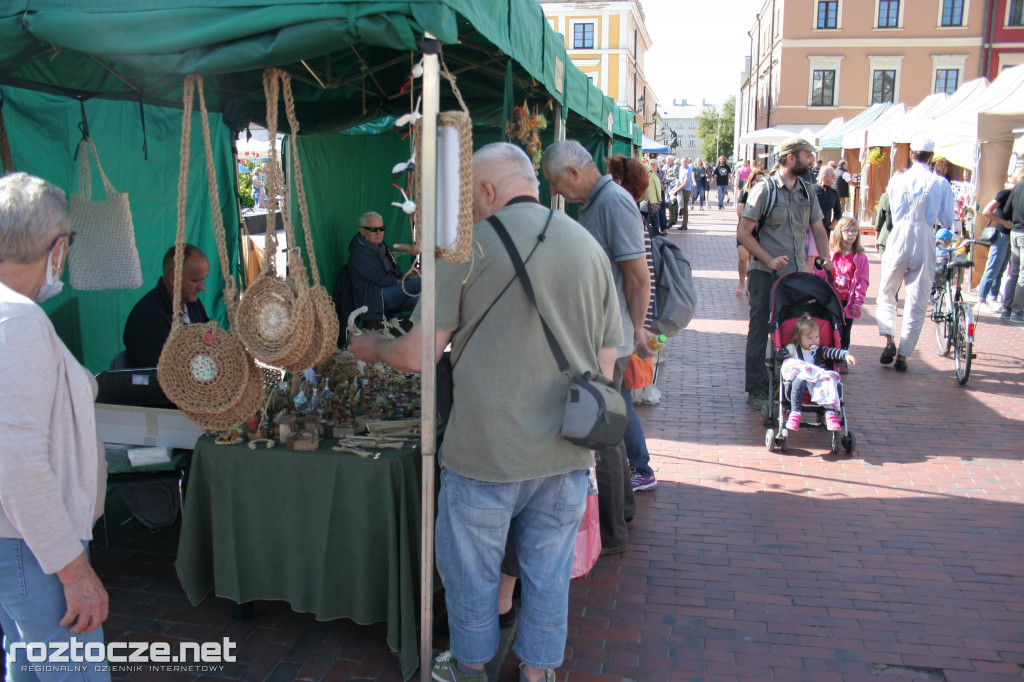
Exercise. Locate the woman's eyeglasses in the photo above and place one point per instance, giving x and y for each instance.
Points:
(70, 237)
(372, 229)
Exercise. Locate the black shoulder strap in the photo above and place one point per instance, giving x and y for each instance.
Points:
(517, 263)
(769, 205)
(497, 298)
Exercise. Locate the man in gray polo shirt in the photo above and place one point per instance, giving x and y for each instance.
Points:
(609, 213)
(778, 250)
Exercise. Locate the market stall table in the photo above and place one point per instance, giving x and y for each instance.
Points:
(329, 532)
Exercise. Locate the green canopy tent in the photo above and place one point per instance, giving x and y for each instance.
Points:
(115, 68)
(119, 65)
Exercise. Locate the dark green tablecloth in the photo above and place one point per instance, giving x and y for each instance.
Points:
(331, 533)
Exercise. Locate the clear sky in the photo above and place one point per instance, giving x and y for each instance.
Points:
(698, 47)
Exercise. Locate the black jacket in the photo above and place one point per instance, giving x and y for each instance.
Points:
(828, 200)
(372, 268)
(149, 325)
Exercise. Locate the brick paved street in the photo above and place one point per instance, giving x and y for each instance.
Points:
(901, 562)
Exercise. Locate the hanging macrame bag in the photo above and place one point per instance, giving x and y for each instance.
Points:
(104, 254)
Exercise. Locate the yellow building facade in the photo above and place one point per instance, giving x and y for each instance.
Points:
(607, 41)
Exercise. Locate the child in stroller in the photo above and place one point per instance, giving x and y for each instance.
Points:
(803, 368)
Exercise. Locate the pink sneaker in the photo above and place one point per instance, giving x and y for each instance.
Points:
(832, 421)
(793, 423)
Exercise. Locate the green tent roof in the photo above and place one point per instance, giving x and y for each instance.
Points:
(349, 59)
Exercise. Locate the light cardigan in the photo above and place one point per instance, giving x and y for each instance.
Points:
(52, 473)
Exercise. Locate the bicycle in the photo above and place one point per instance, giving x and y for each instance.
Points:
(953, 317)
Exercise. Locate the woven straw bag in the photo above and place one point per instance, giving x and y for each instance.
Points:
(287, 323)
(277, 318)
(104, 254)
(325, 334)
(203, 369)
(461, 251)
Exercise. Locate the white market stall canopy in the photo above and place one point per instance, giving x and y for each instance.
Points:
(896, 129)
(956, 134)
(778, 134)
(834, 140)
(649, 146)
(857, 138)
(831, 127)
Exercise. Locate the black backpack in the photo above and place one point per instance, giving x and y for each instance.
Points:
(674, 294)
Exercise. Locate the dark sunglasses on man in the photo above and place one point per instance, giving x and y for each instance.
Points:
(372, 229)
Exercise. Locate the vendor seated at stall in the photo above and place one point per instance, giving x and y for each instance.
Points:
(149, 323)
(376, 278)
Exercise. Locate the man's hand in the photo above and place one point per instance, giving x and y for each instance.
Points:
(411, 248)
(364, 346)
(779, 262)
(642, 349)
(88, 603)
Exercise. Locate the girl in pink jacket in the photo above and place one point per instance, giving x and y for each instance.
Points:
(850, 271)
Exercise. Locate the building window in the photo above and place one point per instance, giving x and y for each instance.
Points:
(947, 80)
(883, 86)
(1016, 17)
(823, 89)
(583, 36)
(952, 12)
(693, 124)
(693, 142)
(888, 13)
(828, 11)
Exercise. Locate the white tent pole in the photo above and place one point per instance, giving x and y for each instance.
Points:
(557, 200)
(428, 218)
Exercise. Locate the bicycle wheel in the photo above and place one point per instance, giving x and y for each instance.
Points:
(942, 310)
(963, 348)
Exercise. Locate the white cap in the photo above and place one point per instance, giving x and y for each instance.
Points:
(922, 144)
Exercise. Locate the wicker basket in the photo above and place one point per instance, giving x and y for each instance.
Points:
(203, 369)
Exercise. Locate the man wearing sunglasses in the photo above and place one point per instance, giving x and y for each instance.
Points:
(376, 278)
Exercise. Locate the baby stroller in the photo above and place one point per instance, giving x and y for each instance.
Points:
(792, 296)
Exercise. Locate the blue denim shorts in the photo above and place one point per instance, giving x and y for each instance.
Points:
(474, 519)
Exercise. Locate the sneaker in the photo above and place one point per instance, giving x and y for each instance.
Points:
(1004, 313)
(842, 367)
(757, 401)
(445, 669)
(643, 482)
(793, 423)
(832, 421)
(549, 674)
(1017, 318)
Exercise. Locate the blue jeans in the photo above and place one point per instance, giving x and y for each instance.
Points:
(402, 296)
(1013, 287)
(542, 516)
(636, 443)
(657, 219)
(722, 189)
(31, 606)
(998, 255)
(699, 194)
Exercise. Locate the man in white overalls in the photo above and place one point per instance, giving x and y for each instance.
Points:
(918, 200)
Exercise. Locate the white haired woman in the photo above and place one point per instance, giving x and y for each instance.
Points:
(52, 470)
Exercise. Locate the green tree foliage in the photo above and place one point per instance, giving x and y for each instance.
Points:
(715, 128)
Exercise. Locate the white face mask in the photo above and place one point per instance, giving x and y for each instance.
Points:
(54, 285)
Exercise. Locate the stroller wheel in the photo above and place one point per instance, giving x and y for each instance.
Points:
(836, 438)
(849, 443)
(766, 415)
(783, 440)
(769, 440)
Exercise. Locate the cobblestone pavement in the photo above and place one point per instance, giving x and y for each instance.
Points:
(900, 562)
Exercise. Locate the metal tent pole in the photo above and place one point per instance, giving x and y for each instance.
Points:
(428, 431)
(557, 200)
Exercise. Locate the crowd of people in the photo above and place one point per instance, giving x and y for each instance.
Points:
(513, 490)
